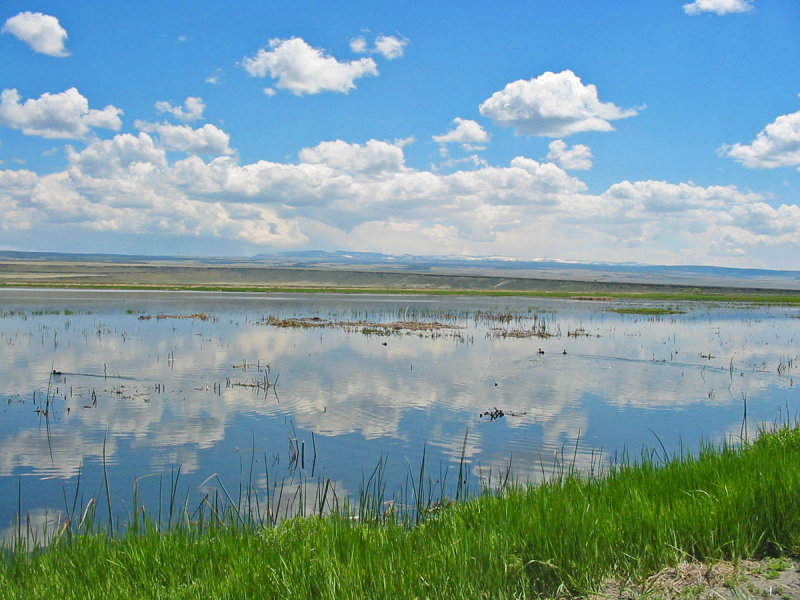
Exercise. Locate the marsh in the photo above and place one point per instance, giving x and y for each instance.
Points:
(278, 390)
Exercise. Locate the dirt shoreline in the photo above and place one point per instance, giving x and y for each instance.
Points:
(767, 578)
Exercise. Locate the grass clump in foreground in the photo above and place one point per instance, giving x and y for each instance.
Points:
(562, 537)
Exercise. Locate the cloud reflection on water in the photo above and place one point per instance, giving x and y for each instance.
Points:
(183, 397)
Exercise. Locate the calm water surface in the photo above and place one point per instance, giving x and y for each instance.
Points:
(148, 383)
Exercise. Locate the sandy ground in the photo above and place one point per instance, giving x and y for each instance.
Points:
(770, 578)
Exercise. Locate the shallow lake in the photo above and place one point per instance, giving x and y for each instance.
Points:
(295, 394)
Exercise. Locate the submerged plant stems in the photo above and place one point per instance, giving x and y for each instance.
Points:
(559, 538)
(108, 489)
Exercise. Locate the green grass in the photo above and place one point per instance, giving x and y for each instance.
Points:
(560, 537)
(732, 295)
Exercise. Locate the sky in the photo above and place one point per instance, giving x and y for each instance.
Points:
(662, 132)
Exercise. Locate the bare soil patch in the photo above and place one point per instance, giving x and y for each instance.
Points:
(768, 578)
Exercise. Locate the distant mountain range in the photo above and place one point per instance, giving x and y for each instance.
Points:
(538, 268)
(466, 265)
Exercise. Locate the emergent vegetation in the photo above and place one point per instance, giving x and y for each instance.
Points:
(560, 537)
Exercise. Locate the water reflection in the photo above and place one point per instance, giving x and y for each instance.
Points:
(93, 379)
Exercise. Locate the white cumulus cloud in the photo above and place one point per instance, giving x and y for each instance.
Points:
(777, 145)
(43, 33)
(192, 109)
(388, 46)
(472, 159)
(720, 7)
(216, 78)
(208, 139)
(373, 157)
(664, 198)
(302, 69)
(715, 221)
(111, 158)
(465, 131)
(579, 157)
(552, 105)
(359, 45)
(364, 196)
(63, 115)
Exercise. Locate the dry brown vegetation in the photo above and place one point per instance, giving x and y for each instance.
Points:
(377, 327)
(768, 578)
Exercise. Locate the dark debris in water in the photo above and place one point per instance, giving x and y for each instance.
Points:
(498, 413)
(161, 316)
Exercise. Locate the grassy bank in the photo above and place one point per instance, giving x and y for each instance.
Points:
(561, 537)
(588, 292)
(245, 275)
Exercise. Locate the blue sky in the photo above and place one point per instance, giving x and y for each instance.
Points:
(662, 131)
